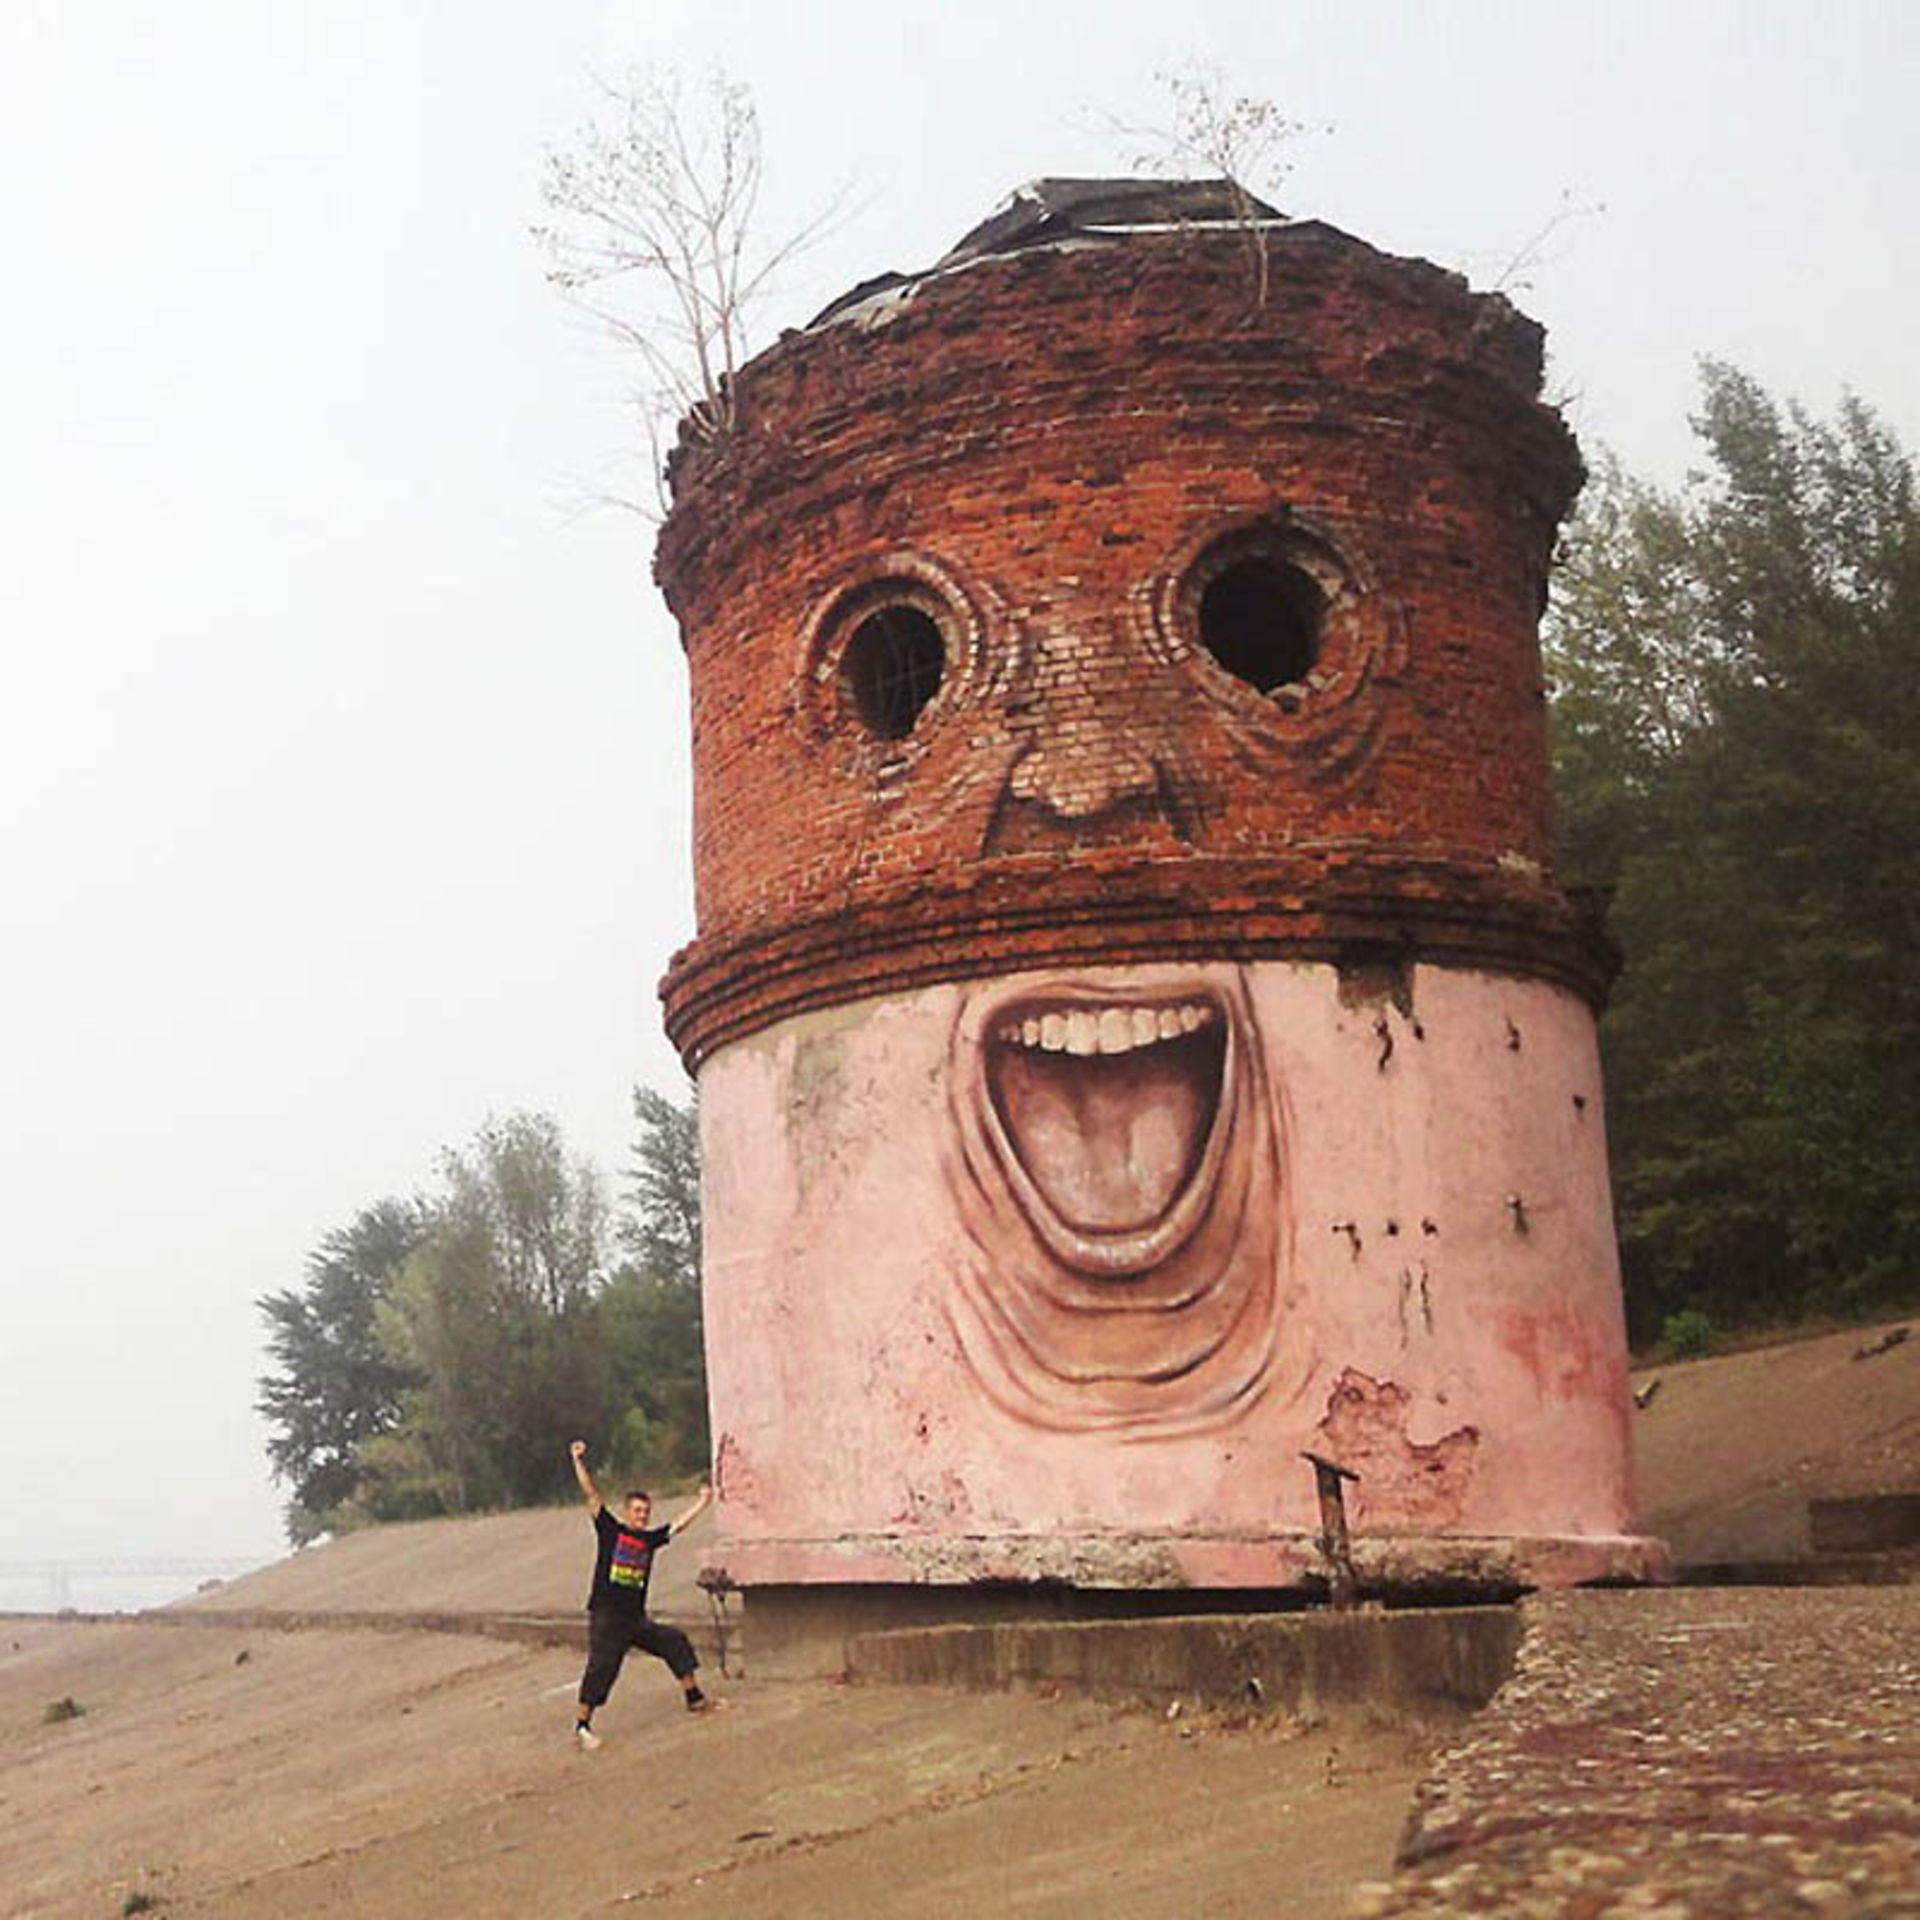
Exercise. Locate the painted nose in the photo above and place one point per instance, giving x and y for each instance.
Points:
(1086, 755)
(1083, 765)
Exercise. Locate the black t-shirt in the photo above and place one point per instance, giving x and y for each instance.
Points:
(624, 1562)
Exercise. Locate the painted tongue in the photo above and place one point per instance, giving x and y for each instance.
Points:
(1109, 1139)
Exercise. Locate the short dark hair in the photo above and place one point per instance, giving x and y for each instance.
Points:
(639, 1493)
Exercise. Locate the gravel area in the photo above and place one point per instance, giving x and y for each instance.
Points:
(1687, 1754)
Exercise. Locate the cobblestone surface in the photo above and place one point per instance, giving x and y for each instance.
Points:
(1682, 1755)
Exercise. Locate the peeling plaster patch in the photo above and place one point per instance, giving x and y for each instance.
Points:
(819, 1061)
(816, 1094)
(733, 1478)
(1369, 977)
(1402, 1482)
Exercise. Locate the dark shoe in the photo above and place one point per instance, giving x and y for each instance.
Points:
(695, 1699)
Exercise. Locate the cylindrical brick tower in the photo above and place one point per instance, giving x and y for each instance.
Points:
(1139, 1037)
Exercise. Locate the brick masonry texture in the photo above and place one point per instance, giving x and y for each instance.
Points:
(1049, 453)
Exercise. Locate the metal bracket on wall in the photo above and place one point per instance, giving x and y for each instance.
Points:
(1342, 1583)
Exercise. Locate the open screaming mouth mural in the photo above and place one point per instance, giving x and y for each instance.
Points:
(1107, 1114)
(1119, 1181)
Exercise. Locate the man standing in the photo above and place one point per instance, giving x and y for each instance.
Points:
(617, 1606)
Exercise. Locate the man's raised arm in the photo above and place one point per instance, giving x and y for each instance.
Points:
(588, 1491)
(693, 1513)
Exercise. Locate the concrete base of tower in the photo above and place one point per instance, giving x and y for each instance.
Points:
(1422, 1667)
(807, 1601)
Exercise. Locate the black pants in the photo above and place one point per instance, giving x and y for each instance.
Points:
(611, 1632)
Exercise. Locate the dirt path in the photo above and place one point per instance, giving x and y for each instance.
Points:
(365, 1775)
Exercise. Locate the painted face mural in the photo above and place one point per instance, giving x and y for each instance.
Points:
(1120, 1180)
(999, 710)
(1114, 699)
(1118, 1141)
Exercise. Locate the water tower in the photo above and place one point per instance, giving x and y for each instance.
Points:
(1140, 1038)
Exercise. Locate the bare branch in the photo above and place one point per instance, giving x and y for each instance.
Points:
(1239, 138)
(653, 241)
(1517, 275)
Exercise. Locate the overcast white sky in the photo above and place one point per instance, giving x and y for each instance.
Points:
(343, 774)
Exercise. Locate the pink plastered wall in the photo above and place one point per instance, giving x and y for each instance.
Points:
(1372, 1221)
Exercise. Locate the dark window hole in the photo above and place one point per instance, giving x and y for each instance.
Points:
(893, 663)
(1260, 619)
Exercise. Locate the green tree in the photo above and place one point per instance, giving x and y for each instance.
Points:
(661, 1228)
(496, 1316)
(655, 1339)
(1737, 738)
(656, 1361)
(335, 1386)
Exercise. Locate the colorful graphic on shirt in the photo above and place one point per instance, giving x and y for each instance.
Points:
(632, 1561)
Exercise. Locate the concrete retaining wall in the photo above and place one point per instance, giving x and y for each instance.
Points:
(1412, 1667)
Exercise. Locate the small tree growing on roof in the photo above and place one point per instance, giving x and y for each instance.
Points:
(653, 238)
(1241, 139)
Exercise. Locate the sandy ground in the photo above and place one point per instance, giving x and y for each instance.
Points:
(370, 1775)
(229, 1772)
(1730, 1450)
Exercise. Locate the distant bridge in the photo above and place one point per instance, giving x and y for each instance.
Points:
(59, 1575)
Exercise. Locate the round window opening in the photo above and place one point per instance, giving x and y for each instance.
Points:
(893, 664)
(1260, 618)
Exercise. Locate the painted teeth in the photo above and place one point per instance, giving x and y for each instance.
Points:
(1090, 1030)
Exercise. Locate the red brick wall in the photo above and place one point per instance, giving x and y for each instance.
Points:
(1039, 447)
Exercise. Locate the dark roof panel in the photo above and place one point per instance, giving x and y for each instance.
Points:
(1043, 210)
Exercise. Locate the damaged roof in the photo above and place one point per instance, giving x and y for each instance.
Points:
(1045, 212)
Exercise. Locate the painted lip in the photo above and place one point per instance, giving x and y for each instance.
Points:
(1082, 1078)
